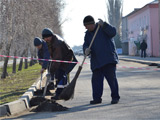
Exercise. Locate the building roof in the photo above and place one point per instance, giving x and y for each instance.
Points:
(154, 2)
(137, 9)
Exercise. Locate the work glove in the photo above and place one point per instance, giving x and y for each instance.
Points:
(100, 22)
(87, 51)
(42, 70)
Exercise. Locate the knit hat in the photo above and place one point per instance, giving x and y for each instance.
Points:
(88, 20)
(37, 41)
(47, 33)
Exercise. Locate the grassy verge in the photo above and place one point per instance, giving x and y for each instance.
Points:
(15, 85)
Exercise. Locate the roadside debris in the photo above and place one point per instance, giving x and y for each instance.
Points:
(49, 106)
(42, 104)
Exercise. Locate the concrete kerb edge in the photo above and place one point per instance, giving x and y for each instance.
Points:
(22, 103)
(139, 61)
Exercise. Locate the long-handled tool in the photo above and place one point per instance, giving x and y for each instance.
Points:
(41, 81)
(68, 92)
(41, 98)
(48, 75)
(47, 82)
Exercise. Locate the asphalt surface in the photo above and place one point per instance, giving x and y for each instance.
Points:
(142, 103)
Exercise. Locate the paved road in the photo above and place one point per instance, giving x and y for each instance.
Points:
(139, 91)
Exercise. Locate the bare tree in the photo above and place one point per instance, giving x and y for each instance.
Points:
(115, 9)
(23, 20)
(9, 29)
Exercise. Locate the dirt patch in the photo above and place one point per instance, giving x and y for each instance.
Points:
(37, 100)
(46, 105)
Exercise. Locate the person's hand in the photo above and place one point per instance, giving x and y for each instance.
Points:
(100, 22)
(42, 70)
(87, 51)
(40, 63)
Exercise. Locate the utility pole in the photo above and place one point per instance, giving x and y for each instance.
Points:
(159, 28)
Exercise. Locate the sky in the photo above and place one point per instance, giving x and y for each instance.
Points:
(76, 10)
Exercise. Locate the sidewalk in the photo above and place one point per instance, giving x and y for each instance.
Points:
(155, 61)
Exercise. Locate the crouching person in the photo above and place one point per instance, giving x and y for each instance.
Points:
(43, 53)
(59, 50)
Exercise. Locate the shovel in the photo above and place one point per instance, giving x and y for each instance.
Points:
(47, 82)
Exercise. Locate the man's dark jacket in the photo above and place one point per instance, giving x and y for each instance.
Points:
(43, 53)
(143, 46)
(103, 49)
(59, 50)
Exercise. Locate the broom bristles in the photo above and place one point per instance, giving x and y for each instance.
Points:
(68, 92)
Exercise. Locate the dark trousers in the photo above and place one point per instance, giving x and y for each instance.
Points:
(143, 53)
(109, 72)
(62, 81)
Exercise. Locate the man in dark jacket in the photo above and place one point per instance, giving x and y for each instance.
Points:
(59, 50)
(43, 53)
(143, 48)
(103, 58)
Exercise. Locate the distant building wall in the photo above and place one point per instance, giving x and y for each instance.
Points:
(154, 21)
(124, 36)
(143, 25)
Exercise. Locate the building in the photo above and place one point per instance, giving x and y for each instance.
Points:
(125, 33)
(124, 36)
(143, 24)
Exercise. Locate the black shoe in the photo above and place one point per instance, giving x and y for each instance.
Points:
(48, 92)
(114, 101)
(95, 102)
(51, 86)
(55, 97)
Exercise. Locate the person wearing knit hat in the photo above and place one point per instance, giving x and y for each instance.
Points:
(88, 20)
(43, 52)
(47, 32)
(59, 50)
(103, 58)
(37, 42)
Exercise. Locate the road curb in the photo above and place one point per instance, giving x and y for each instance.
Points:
(22, 103)
(141, 61)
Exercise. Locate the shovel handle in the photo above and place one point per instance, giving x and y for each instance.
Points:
(94, 36)
(41, 81)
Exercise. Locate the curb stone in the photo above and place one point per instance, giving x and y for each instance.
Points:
(22, 103)
(141, 61)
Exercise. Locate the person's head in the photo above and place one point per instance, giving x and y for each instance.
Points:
(38, 42)
(47, 34)
(89, 23)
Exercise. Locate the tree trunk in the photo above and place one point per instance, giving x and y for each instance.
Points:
(20, 65)
(14, 65)
(4, 73)
(31, 62)
(26, 64)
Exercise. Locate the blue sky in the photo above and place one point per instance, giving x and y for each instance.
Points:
(76, 10)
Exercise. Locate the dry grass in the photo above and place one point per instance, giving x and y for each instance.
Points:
(15, 85)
